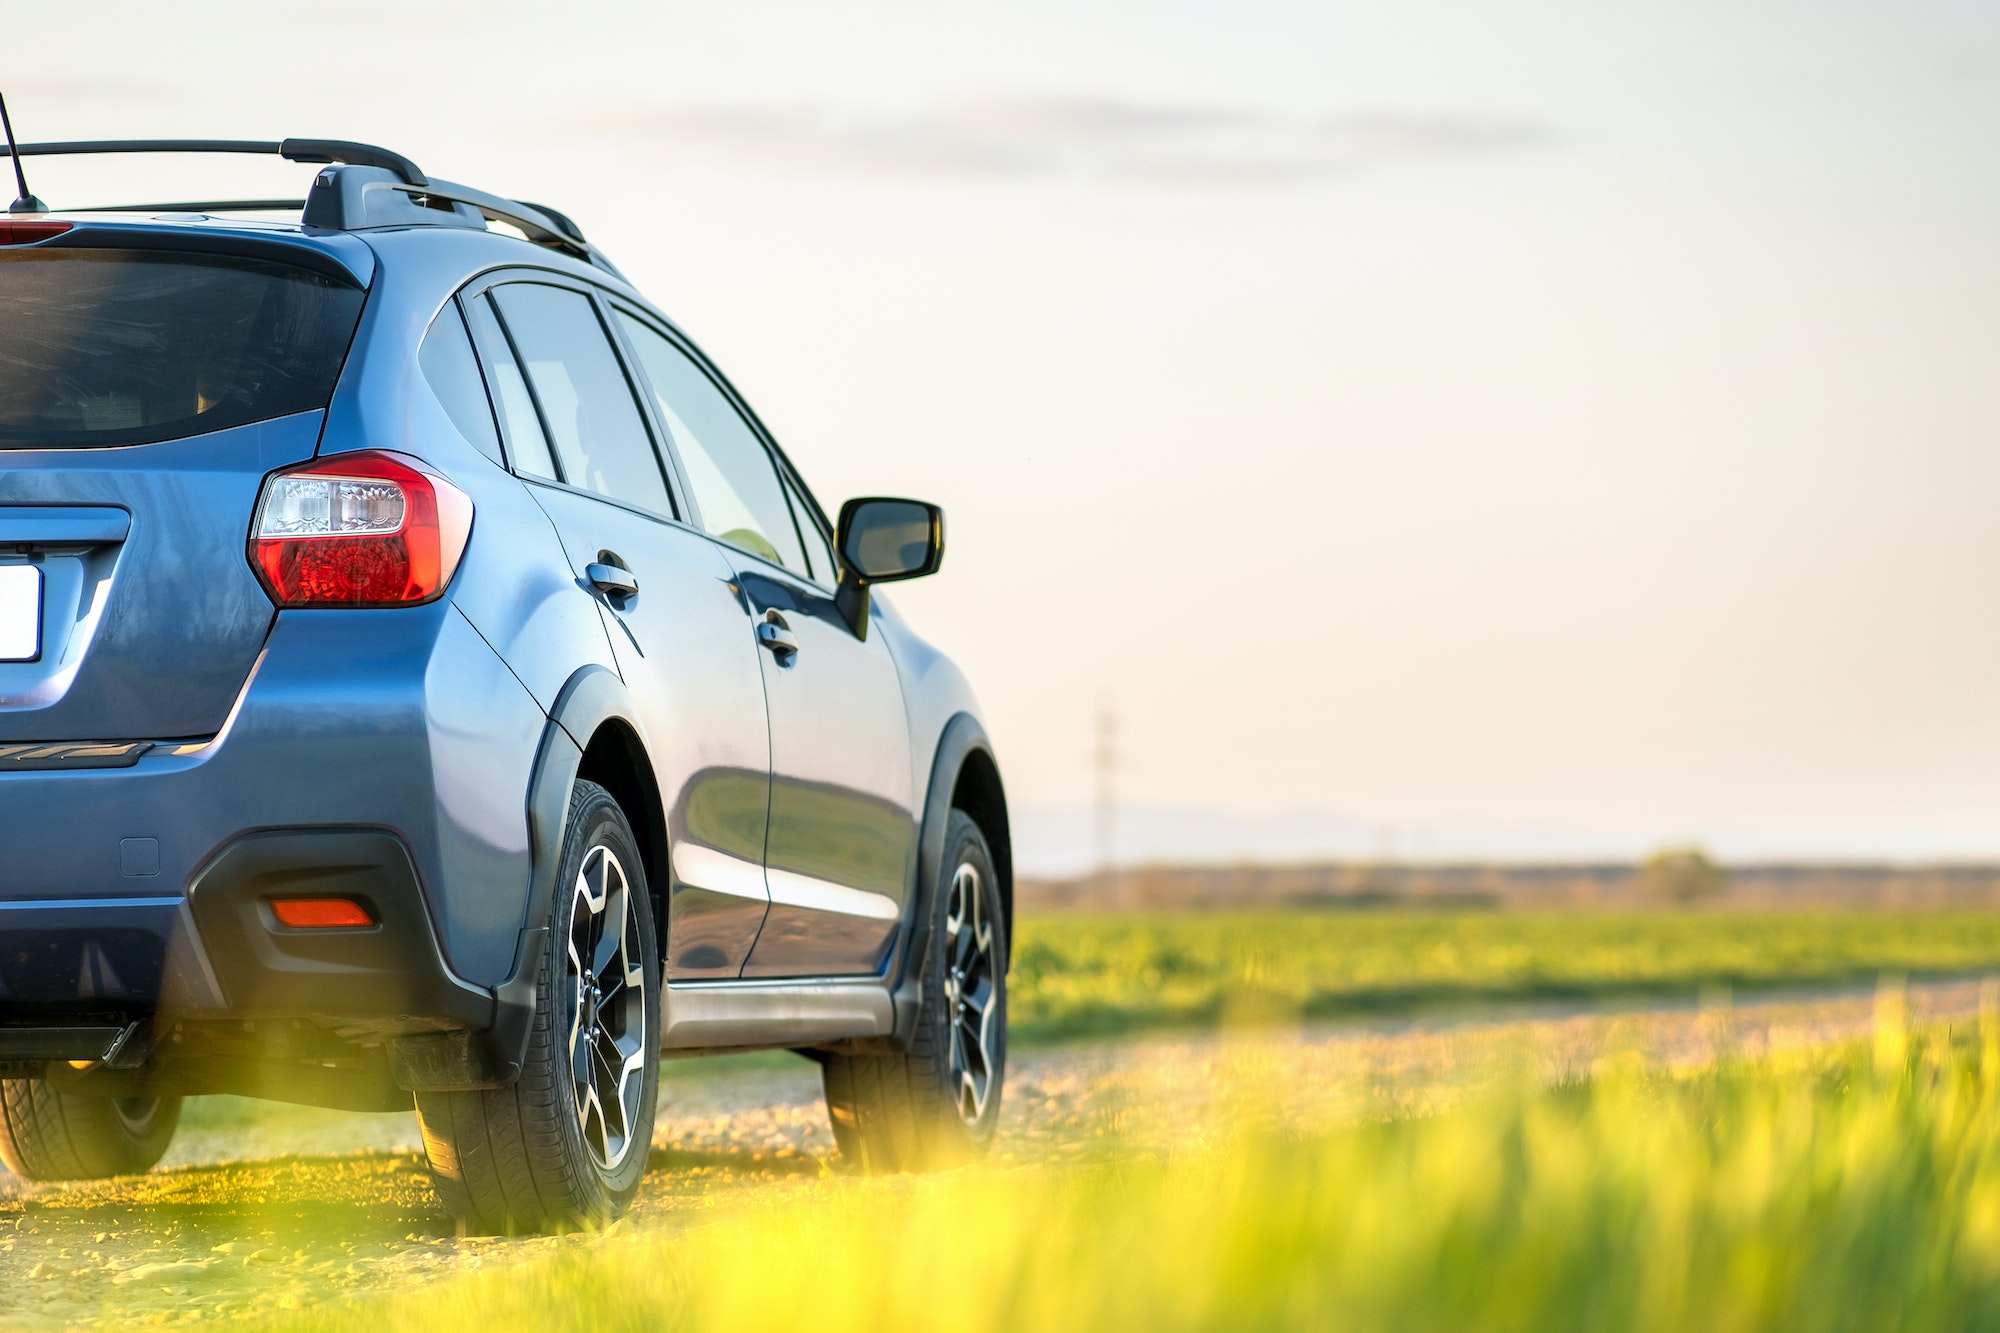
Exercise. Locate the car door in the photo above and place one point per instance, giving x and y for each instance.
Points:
(682, 635)
(843, 832)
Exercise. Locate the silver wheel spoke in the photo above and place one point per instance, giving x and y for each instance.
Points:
(970, 989)
(608, 1036)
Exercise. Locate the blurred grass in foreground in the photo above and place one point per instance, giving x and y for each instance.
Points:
(1847, 1187)
(1095, 975)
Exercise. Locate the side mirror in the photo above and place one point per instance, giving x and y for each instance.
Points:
(884, 540)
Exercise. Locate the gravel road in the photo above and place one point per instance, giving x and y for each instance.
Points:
(260, 1206)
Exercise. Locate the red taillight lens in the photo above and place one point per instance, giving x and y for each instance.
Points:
(20, 231)
(361, 529)
(320, 913)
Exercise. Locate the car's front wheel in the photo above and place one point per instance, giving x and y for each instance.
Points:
(937, 1104)
(46, 1134)
(565, 1145)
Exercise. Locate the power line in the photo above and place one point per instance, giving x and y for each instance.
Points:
(1106, 824)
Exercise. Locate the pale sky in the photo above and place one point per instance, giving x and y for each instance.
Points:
(1550, 429)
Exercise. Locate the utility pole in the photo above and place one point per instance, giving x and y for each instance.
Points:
(1106, 825)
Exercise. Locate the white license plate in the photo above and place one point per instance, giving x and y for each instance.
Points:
(20, 613)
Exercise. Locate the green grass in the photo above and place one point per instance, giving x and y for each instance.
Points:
(1090, 975)
(1856, 1187)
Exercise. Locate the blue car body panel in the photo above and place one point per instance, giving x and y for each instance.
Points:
(152, 635)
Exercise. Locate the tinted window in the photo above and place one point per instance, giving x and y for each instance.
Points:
(527, 445)
(108, 347)
(586, 401)
(453, 372)
(734, 483)
(819, 552)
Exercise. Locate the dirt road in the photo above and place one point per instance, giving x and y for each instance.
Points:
(262, 1207)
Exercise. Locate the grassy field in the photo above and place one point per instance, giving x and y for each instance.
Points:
(1729, 1165)
(1851, 1187)
(1091, 975)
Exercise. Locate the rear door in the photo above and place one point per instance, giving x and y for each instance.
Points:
(843, 833)
(144, 393)
(683, 639)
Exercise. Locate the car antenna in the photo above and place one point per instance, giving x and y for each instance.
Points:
(27, 203)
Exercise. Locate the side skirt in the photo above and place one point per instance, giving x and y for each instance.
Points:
(703, 1015)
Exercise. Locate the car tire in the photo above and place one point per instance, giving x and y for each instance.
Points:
(46, 1134)
(564, 1146)
(936, 1105)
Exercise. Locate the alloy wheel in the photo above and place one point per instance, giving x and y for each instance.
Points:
(970, 989)
(608, 1041)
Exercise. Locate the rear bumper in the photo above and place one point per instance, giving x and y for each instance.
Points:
(390, 977)
(142, 985)
(380, 755)
(219, 951)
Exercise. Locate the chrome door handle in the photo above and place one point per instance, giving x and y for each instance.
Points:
(773, 635)
(612, 580)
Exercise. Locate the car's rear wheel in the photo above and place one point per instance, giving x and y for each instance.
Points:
(565, 1145)
(938, 1103)
(46, 1134)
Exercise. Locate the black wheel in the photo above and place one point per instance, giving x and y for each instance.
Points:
(566, 1144)
(937, 1104)
(51, 1135)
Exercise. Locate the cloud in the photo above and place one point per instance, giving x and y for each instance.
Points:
(1069, 138)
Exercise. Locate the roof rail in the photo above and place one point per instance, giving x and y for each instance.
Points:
(341, 199)
(310, 151)
(203, 206)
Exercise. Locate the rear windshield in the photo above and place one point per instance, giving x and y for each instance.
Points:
(109, 347)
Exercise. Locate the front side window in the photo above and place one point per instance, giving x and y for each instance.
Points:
(586, 402)
(819, 552)
(731, 474)
(118, 347)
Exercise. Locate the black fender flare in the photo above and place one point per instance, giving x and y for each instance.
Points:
(591, 697)
(961, 738)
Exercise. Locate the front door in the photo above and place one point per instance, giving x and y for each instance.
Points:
(843, 833)
(683, 636)
(837, 859)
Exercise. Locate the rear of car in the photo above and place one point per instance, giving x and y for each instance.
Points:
(231, 694)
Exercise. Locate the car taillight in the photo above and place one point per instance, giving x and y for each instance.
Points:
(363, 529)
(21, 231)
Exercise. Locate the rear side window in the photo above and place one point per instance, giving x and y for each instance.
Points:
(527, 445)
(111, 347)
(592, 418)
(453, 373)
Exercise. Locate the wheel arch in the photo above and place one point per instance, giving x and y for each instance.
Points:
(615, 758)
(593, 733)
(964, 774)
(978, 792)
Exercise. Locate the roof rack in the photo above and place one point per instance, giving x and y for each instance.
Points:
(363, 186)
(311, 151)
(202, 206)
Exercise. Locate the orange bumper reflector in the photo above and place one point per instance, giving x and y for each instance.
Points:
(320, 913)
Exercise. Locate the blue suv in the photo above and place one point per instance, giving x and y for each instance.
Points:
(422, 674)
